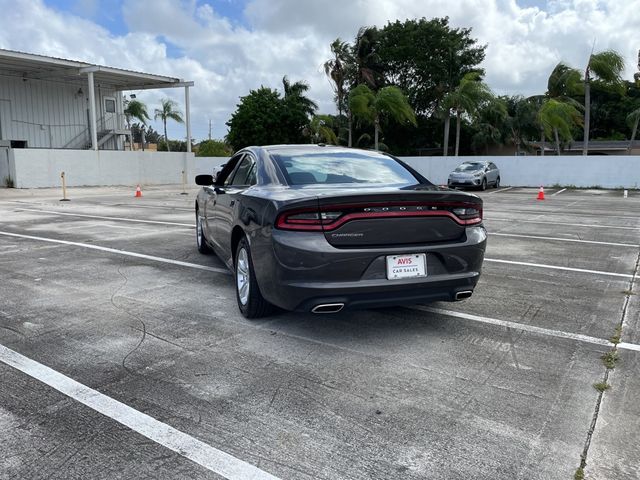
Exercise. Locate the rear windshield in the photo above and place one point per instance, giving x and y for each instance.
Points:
(342, 167)
(469, 167)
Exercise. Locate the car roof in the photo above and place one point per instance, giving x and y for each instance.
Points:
(309, 148)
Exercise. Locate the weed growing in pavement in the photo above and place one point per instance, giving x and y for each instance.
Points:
(628, 292)
(579, 475)
(8, 182)
(615, 338)
(601, 386)
(610, 359)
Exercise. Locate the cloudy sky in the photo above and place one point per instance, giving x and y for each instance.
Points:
(231, 46)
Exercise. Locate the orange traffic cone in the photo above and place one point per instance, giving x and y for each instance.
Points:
(541, 193)
(138, 191)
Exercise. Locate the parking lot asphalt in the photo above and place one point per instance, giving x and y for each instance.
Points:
(123, 354)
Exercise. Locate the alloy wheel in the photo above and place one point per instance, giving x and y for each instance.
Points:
(243, 276)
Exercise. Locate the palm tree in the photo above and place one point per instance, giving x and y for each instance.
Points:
(168, 111)
(492, 122)
(466, 98)
(295, 93)
(368, 68)
(321, 130)
(633, 119)
(521, 120)
(607, 67)
(372, 106)
(135, 109)
(563, 84)
(558, 119)
(338, 69)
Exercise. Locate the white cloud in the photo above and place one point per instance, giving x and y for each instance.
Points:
(291, 37)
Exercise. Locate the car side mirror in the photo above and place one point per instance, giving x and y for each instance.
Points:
(204, 180)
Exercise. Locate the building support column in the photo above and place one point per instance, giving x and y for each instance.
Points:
(92, 112)
(187, 113)
(120, 140)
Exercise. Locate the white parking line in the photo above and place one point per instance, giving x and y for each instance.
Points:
(561, 223)
(183, 444)
(557, 267)
(120, 252)
(528, 328)
(629, 346)
(559, 239)
(519, 326)
(558, 192)
(501, 190)
(119, 219)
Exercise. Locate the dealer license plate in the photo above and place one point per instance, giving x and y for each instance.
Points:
(406, 266)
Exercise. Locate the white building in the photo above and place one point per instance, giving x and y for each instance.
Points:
(50, 107)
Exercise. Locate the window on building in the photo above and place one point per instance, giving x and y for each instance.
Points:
(110, 105)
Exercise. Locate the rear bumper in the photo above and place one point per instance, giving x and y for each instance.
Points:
(303, 270)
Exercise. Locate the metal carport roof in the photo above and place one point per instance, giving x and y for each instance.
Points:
(40, 67)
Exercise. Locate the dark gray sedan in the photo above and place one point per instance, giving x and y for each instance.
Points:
(319, 228)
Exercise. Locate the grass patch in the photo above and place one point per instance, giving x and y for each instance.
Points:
(601, 386)
(610, 359)
(579, 475)
(615, 338)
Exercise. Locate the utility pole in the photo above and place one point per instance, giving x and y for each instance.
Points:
(209, 129)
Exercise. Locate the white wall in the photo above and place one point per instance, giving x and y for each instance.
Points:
(203, 165)
(42, 168)
(606, 171)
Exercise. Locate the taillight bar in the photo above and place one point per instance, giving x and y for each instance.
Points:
(332, 217)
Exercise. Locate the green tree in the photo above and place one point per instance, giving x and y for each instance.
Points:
(606, 67)
(257, 120)
(135, 109)
(168, 110)
(213, 148)
(555, 118)
(466, 98)
(427, 59)
(321, 130)
(558, 119)
(172, 146)
(338, 68)
(294, 96)
(368, 69)
(387, 102)
(521, 122)
(490, 123)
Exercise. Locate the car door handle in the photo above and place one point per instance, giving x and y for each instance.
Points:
(232, 203)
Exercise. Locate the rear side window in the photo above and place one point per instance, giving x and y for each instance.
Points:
(342, 167)
(245, 173)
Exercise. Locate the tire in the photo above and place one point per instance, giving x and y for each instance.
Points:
(483, 185)
(250, 301)
(497, 182)
(201, 240)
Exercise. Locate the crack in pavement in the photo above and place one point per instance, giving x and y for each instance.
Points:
(596, 413)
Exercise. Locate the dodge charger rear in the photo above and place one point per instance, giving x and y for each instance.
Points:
(320, 229)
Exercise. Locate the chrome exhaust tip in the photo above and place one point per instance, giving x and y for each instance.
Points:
(464, 294)
(328, 308)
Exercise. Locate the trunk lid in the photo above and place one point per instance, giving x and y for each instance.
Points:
(372, 217)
